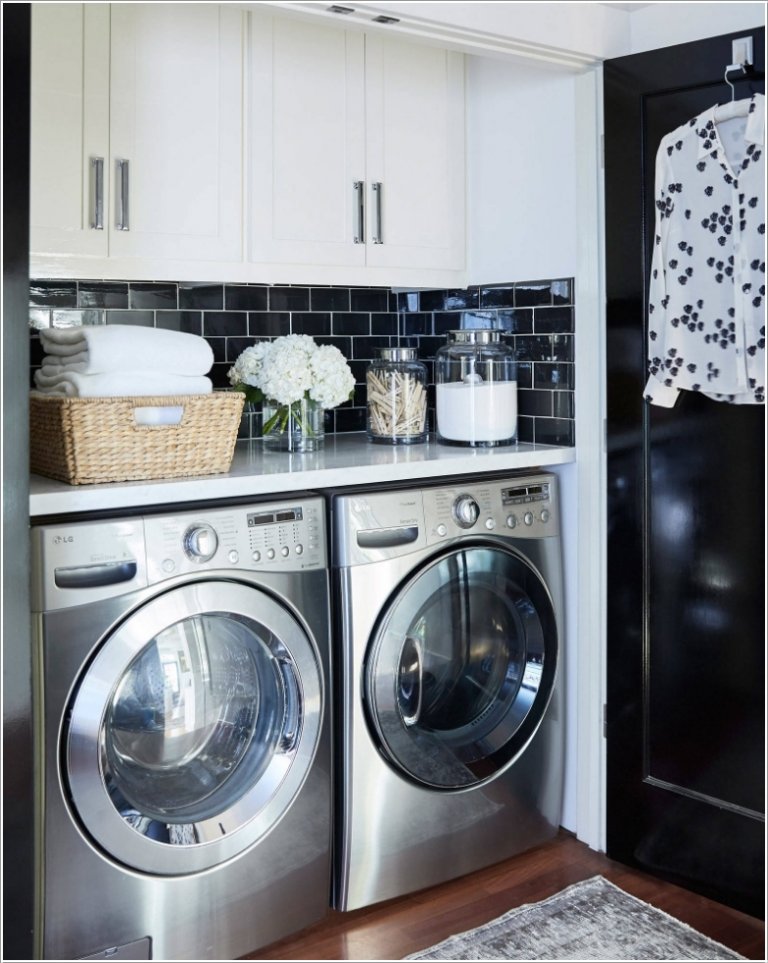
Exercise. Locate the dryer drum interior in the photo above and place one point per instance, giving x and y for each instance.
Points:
(461, 667)
(184, 730)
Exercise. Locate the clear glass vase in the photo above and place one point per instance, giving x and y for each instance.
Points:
(297, 427)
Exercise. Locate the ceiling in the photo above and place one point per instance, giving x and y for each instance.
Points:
(626, 6)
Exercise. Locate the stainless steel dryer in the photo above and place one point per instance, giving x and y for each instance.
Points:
(450, 686)
(183, 735)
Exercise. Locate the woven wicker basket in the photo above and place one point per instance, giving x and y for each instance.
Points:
(88, 440)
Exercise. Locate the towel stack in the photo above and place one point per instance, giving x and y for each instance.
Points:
(120, 360)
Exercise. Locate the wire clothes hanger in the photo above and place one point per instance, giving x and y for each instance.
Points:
(734, 108)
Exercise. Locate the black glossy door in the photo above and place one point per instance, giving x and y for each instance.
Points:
(686, 583)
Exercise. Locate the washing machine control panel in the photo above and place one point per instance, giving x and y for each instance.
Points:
(519, 508)
(287, 536)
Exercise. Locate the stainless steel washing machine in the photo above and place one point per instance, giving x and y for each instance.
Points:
(450, 712)
(183, 766)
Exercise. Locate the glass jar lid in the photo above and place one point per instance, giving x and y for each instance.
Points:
(475, 335)
(398, 354)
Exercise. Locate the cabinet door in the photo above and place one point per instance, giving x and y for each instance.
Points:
(305, 142)
(69, 125)
(415, 151)
(176, 101)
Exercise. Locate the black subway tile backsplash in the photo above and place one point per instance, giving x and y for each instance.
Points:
(53, 294)
(152, 295)
(64, 318)
(329, 299)
(553, 320)
(498, 296)
(269, 324)
(313, 323)
(143, 318)
(246, 297)
(288, 299)
(536, 318)
(191, 322)
(351, 322)
(102, 294)
(208, 297)
(225, 324)
(532, 294)
(369, 299)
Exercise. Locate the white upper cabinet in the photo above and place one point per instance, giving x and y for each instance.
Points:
(137, 132)
(175, 123)
(355, 148)
(200, 140)
(69, 142)
(415, 154)
(305, 143)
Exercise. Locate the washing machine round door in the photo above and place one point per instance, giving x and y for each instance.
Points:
(193, 728)
(461, 667)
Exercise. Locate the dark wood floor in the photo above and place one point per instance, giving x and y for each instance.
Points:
(394, 929)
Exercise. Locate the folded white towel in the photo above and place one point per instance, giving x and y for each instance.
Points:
(95, 349)
(121, 384)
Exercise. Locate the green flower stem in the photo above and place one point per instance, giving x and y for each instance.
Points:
(281, 416)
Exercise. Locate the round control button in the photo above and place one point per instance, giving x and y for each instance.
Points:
(168, 565)
(234, 557)
(200, 542)
(270, 553)
(490, 523)
(441, 530)
(511, 521)
(256, 556)
(466, 511)
(544, 515)
(528, 518)
(285, 551)
(299, 549)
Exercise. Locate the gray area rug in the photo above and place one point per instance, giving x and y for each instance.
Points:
(592, 920)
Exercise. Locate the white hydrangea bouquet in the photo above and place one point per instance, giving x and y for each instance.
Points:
(297, 380)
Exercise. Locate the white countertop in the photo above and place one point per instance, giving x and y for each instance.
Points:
(347, 459)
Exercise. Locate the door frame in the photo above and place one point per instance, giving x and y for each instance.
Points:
(585, 558)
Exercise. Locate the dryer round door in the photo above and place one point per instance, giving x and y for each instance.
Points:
(193, 728)
(461, 667)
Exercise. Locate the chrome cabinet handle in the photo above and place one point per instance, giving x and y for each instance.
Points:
(122, 196)
(359, 188)
(97, 194)
(376, 187)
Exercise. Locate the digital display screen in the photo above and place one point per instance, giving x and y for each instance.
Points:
(524, 494)
(272, 518)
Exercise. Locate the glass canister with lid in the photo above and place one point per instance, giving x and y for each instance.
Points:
(397, 398)
(476, 389)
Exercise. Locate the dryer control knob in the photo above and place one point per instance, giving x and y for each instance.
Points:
(528, 518)
(544, 515)
(511, 521)
(200, 542)
(466, 511)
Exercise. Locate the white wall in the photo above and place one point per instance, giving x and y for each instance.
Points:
(521, 161)
(667, 24)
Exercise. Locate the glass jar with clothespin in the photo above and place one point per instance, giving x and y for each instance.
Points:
(397, 398)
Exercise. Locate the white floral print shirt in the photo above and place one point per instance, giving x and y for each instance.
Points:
(706, 303)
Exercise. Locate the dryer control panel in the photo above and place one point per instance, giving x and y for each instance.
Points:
(372, 526)
(519, 508)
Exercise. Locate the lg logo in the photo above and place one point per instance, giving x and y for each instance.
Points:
(61, 539)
